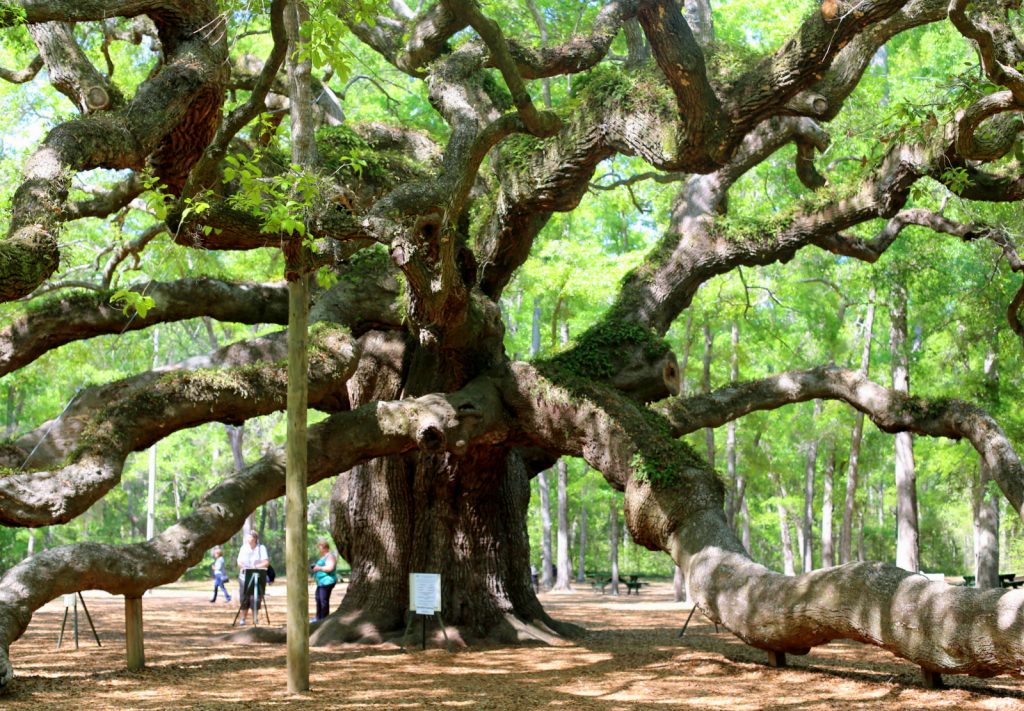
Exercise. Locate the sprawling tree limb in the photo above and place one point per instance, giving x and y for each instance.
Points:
(676, 505)
(74, 460)
(107, 202)
(170, 120)
(871, 250)
(890, 410)
(436, 423)
(46, 326)
(20, 76)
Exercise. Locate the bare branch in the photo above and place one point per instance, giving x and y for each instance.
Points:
(23, 75)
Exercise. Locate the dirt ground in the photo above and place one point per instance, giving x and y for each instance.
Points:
(632, 659)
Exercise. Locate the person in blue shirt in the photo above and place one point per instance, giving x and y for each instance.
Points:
(326, 578)
(219, 576)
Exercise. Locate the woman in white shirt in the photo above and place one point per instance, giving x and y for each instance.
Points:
(252, 555)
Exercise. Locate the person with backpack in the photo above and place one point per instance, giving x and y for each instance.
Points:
(252, 554)
(326, 578)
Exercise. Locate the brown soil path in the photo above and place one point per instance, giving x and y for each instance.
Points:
(633, 659)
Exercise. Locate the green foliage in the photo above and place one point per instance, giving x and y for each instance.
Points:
(132, 301)
(281, 201)
(11, 14)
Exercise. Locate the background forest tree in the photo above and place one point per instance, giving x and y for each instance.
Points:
(564, 237)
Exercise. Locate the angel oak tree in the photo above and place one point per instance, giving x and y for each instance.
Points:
(433, 431)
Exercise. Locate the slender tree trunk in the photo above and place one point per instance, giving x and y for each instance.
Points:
(31, 543)
(546, 577)
(849, 509)
(827, 553)
(151, 484)
(613, 547)
(709, 433)
(906, 482)
(986, 504)
(745, 528)
(564, 570)
(684, 358)
(581, 575)
(299, 71)
(731, 506)
(860, 536)
(810, 471)
(784, 534)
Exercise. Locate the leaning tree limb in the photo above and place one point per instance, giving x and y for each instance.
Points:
(890, 410)
(58, 471)
(56, 322)
(435, 423)
(675, 504)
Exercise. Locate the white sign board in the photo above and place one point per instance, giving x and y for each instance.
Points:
(71, 601)
(425, 593)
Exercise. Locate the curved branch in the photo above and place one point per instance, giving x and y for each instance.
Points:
(70, 70)
(81, 454)
(1002, 130)
(169, 122)
(890, 410)
(55, 323)
(107, 202)
(673, 503)
(23, 75)
(871, 250)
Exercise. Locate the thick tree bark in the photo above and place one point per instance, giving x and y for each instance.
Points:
(906, 481)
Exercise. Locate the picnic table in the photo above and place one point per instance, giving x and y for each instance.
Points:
(1006, 580)
(632, 583)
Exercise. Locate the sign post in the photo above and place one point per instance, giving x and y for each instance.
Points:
(424, 602)
(71, 603)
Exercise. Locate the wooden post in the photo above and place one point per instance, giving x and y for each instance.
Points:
(133, 633)
(932, 680)
(295, 489)
(776, 659)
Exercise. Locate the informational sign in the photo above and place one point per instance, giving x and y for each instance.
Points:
(71, 601)
(425, 593)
